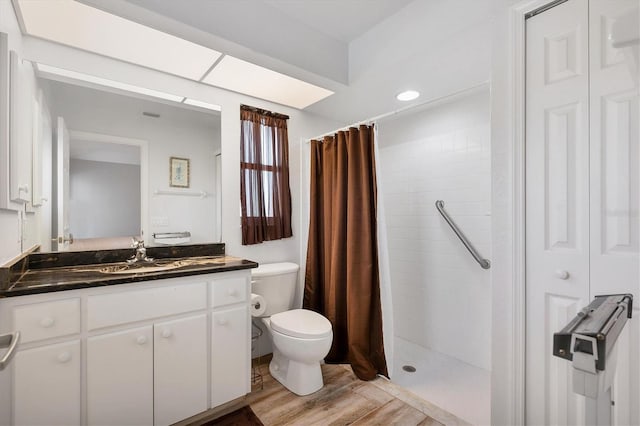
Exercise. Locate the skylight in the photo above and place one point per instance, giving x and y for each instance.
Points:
(253, 80)
(78, 25)
(78, 76)
(84, 27)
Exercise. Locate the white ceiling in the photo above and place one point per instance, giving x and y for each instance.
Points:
(104, 152)
(344, 20)
(365, 51)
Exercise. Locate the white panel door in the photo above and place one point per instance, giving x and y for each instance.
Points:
(615, 190)
(180, 369)
(120, 378)
(557, 203)
(583, 192)
(229, 349)
(47, 385)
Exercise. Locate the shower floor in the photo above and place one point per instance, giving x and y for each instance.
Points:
(459, 388)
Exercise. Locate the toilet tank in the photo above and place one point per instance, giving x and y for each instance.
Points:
(276, 283)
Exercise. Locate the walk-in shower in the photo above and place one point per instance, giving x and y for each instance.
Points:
(441, 294)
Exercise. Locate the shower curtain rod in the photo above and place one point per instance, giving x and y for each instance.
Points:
(389, 114)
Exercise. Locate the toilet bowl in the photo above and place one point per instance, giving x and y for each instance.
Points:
(301, 338)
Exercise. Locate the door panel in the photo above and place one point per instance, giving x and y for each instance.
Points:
(582, 197)
(563, 406)
(61, 207)
(615, 190)
(557, 203)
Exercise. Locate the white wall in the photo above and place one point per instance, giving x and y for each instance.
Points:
(436, 47)
(104, 199)
(177, 132)
(441, 296)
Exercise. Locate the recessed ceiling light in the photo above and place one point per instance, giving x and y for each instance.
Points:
(47, 71)
(407, 95)
(85, 27)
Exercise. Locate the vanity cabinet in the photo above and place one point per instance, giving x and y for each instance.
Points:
(163, 366)
(154, 352)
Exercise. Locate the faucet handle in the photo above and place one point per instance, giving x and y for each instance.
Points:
(135, 243)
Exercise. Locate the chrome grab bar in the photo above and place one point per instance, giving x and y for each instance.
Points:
(10, 341)
(484, 263)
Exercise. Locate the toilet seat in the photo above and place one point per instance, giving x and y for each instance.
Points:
(301, 323)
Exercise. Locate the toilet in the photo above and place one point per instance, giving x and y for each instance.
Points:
(301, 338)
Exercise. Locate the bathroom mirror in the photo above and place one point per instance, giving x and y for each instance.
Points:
(103, 176)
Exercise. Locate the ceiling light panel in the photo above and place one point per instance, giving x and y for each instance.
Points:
(253, 80)
(45, 70)
(78, 25)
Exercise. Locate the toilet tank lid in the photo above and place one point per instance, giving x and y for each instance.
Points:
(301, 323)
(267, 269)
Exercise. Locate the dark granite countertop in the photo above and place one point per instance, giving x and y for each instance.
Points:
(48, 272)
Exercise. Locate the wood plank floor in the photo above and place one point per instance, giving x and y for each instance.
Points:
(344, 400)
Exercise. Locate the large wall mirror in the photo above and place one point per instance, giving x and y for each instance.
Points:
(103, 159)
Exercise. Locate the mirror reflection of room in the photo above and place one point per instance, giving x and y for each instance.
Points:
(118, 185)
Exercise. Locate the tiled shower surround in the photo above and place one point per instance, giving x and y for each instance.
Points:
(441, 295)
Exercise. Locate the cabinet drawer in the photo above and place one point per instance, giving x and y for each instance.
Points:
(106, 310)
(45, 320)
(227, 291)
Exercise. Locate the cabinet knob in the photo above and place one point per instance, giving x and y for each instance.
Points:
(141, 340)
(47, 322)
(222, 321)
(562, 274)
(232, 292)
(166, 333)
(64, 357)
(23, 188)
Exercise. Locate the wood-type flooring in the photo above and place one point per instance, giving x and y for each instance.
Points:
(344, 400)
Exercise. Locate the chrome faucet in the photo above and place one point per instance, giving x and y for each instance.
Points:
(141, 252)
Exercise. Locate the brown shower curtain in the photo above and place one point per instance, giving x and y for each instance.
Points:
(341, 280)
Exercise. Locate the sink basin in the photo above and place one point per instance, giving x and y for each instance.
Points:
(135, 268)
(158, 266)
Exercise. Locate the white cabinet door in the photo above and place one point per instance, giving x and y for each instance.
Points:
(180, 366)
(47, 385)
(120, 378)
(230, 355)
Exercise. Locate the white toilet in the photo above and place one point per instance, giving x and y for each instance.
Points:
(301, 338)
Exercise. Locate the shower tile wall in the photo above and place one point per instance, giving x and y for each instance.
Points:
(441, 296)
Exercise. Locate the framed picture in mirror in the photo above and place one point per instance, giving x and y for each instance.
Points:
(179, 172)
